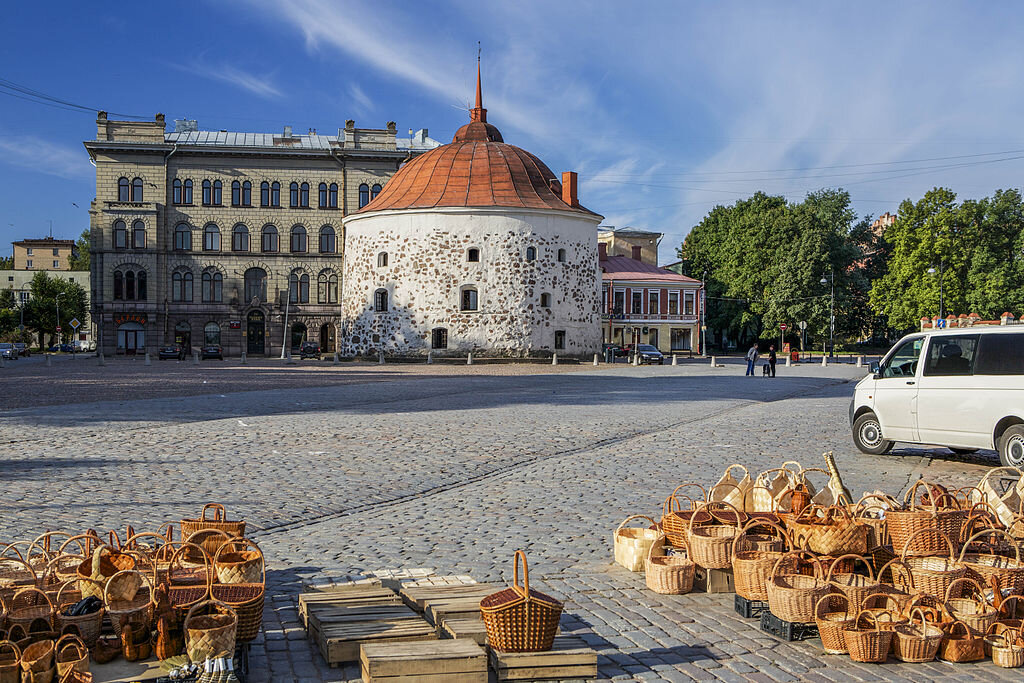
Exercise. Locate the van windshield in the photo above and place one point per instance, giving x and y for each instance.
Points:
(902, 362)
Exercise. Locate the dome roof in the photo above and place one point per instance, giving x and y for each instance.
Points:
(477, 169)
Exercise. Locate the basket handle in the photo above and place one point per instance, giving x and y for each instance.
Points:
(827, 596)
(32, 589)
(1005, 602)
(924, 621)
(986, 532)
(204, 603)
(525, 590)
(180, 553)
(72, 641)
(658, 543)
(146, 579)
(761, 523)
(984, 480)
(729, 469)
(218, 512)
(672, 504)
(885, 596)
(958, 622)
(944, 537)
(835, 563)
(35, 577)
(85, 544)
(966, 579)
(115, 540)
(243, 542)
(868, 613)
(799, 554)
(708, 507)
(13, 647)
(617, 529)
(703, 491)
(129, 534)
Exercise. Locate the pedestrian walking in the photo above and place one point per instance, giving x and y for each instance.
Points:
(772, 359)
(752, 356)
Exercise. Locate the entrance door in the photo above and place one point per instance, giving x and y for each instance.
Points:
(131, 342)
(255, 333)
(327, 338)
(183, 337)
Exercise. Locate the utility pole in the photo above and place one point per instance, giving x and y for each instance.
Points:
(57, 302)
(287, 302)
(942, 267)
(702, 319)
(832, 312)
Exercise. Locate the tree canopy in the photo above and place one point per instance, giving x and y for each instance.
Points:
(80, 254)
(41, 309)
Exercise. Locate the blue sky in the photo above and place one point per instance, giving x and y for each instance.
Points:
(664, 108)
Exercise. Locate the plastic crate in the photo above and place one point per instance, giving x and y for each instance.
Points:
(749, 609)
(787, 630)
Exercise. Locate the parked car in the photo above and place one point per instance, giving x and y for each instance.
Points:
(650, 354)
(309, 349)
(173, 352)
(212, 351)
(82, 346)
(617, 351)
(960, 388)
(8, 351)
(22, 349)
(62, 348)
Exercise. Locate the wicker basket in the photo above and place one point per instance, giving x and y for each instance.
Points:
(904, 525)
(767, 491)
(751, 568)
(209, 636)
(975, 612)
(100, 567)
(830, 531)
(711, 544)
(1004, 504)
(916, 643)
(932, 574)
(88, 625)
(1009, 572)
(15, 574)
(886, 609)
(855, 586)
(187, 586)
(10, 662)
(137, 610)
(728, 489)
(219, 522)
(963, 646)
(245, 598)
(71, 654)
(37, 657)
(519, 619)
(1006, 648)
(878, 529)
(631, 548)
(833, 623)
(29, 604)
(793, 597)
(675, 520)
(868, 644)
(668, 574)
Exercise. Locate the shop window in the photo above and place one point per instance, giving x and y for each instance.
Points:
(211, 334)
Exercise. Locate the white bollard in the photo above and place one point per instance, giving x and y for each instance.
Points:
(288, 356)
(102, 360)
(244, 361)
(636, 359)
(148, 361)
(469, 358)
(595, 359)
(195, 358)
(47, 360)
(2, 364)
(675, 359)
(335, 361)
(554, 359)
(380, 357)
(860, 361)
(430, 357)
(714, 361)
(824, 361)
(789, 361)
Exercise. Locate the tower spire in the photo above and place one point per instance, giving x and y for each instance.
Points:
(478, 113)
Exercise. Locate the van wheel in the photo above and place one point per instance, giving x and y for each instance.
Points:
(1011, 447)
(867, 435)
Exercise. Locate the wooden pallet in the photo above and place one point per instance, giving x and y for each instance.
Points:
(418, 596)
(346, 595)
(570, 657)
(468, 628)
(441, 661)
(340, 630)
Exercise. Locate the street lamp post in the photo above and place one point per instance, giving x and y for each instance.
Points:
(702, 318)
(931, 271)
(57, 302)
(832, 310)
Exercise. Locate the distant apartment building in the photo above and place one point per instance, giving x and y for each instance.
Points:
(51, 256)
(45, 253)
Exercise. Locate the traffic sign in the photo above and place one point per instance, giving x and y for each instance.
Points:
(783, 327)
(803, 324)
(58, 328)
(74, 323)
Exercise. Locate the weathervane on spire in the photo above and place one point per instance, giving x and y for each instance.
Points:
(478, 113)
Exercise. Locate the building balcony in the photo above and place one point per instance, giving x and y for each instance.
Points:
(131, 208)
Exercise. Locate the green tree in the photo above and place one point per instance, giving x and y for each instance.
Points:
(80, 253)
(7, 262)
(995, 273)
(41, 309)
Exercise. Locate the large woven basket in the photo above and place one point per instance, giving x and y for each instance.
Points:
(711, 544)
(37, 657)
(871, 510)
(855, 586)
(793, 597)
(245, 598)
(71, 654)
(833, 623)
(668, 574)
(219, 522)
(829, 531)
(1005, 501)
(886, 609)
(210, 628)
(973, 611)
(932, 574)
(15, 574)
(519, 619)
(631, 546)
(103, 564)
(868, 643)
(960, 645)
(10, 662)
(1008, 571)
(28, 605)
(904, 524)
(187, 585)
(752, 567)
(139, 609)
(1006, 648)
(88, 625)
(675, 521)
(916, 643)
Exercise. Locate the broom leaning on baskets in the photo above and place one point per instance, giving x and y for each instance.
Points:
(519, 619)
(668, 574)
(631, 545)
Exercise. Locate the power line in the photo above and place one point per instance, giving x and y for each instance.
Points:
(23, 92)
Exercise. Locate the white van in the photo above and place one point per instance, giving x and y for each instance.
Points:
(961, 388)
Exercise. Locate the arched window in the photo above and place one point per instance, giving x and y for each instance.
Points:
(332, 196)
(298, 243)
(141, 292)
(264, 193)
(236, 193)
(328, 244)
(137, 190)
(269, 239)
(211, 334)
(183, 237)
(129, 285)
(256, 284)
(470, 300)
(322, 195)
(217, 192)
(120, 235)
(561, 255)
(240, 238)
(298, 288)
(275, 193)
(118, 285)
(187, 194)
(293, 195)
(374, 191)
(213, 287)
(304, 195)
(364, 195)
(545, 300)
(211, 237)
(181, 286)
(382, 259)
(531, 253)
(207, 193)
(246, 193)
(473, 255)
(138, 235)
(380, 300)
(176, 191)
(327, 288)
(124, 190)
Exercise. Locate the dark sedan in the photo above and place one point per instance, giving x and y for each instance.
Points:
(212, 351)
(309, 350)
(170, 353)
(650, 354)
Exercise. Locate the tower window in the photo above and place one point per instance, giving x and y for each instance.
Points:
(561, 255)
(545, 300)
(382, 259)
(473, 255)
(380, 300)
(531, 253)
(470, 300)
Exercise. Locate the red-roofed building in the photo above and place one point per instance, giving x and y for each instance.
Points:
(642, 303)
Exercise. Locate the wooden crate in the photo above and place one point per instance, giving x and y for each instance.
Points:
(570, 657)
(441, 661)
(418, 596)
(340, 630)
(440, 608)
(346, 595)
(470, 628)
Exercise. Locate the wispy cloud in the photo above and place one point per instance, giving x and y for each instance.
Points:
(363, 103)
(261, 85)
(47, 157)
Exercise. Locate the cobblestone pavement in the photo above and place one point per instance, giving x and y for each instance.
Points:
(453, 472)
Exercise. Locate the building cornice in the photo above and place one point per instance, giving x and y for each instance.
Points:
(478, 211)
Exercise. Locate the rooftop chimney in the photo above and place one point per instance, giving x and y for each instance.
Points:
(569, 195)
(637, 253)
(602, 251)
(287, 131)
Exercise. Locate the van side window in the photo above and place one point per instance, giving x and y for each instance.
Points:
(949, 356)
(1000, 354)
(903, 361)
